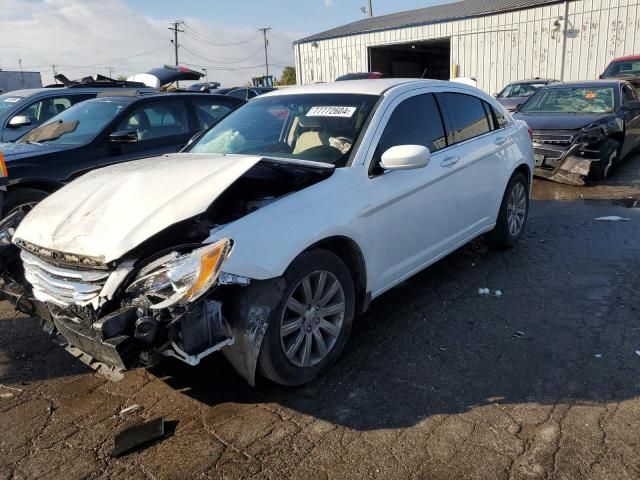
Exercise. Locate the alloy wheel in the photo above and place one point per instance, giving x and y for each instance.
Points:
(312, 318)
(517, 209)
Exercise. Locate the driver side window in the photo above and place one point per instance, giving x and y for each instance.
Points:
(416, 121)
(158, 120)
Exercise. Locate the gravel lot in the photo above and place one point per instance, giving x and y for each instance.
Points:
(437, 382)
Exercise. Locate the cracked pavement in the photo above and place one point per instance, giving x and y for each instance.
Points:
(437, 381)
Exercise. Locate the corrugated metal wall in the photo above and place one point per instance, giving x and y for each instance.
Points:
(501, 48)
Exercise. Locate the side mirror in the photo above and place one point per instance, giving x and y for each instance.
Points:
(495, 95)
(635, 105)
(125, 136)
(405, 157)
(19, 121)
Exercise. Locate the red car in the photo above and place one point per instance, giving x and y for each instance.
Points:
(624, 68)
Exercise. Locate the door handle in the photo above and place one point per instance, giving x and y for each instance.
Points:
(449, 161)
(500, 140)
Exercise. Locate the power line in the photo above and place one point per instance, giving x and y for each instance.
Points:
(204, 39)
(226, 61)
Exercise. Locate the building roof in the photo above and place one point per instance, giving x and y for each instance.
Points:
(425, 16)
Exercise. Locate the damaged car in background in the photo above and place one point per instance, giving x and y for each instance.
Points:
(274, 228)
(582, 129)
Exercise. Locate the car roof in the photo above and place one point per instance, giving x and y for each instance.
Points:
(629, 57)
(153, 95)
(365, 87)
(534, 80)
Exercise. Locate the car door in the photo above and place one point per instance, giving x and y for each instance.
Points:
(161, 127)
(631, 119)
(38, 111)
(480, 155)
(410, 214)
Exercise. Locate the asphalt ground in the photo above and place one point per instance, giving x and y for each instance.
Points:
(437, 381)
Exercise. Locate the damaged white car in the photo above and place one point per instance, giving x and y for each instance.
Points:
(274, 228)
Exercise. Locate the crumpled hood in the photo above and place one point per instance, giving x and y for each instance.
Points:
(109, 211)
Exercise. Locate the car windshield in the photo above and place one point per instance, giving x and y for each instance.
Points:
(623, 68)
(519, 90)
(7, 101)
(579, 100)
(78, 124)
(315, 127)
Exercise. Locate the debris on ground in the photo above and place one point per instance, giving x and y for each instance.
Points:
(6, 395)
(137, 436)
(484, 291)
(19, 390)
(518, 335)
(498, 293)
(598, 355)
(132, 409)
(638, 352)
(612, 218)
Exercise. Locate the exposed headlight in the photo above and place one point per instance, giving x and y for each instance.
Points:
(177, 278)
(8, 226)
(590, 136)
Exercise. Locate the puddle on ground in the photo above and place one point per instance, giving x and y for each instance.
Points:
(626, 195)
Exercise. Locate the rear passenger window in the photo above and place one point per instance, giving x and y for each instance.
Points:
(467, 115)
(416, 121)
(500, 117)
(159, 120)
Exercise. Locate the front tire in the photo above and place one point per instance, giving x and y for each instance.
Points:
(514, 211)
(310, 327)
(609, 157)
(23, 199)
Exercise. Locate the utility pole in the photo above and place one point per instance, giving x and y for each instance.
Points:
(21, 73)
(266, 44)
(370, 8)
(53, 67)
(175, 28)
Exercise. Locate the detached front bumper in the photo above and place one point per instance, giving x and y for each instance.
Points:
(569, 165)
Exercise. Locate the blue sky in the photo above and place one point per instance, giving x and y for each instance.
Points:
(123, 37)
(310, 16)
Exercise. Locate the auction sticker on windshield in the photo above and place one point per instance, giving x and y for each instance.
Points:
(345, 112)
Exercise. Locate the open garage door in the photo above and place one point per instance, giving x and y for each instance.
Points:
(428, 59)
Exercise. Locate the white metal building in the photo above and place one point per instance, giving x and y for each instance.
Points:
(495, 41)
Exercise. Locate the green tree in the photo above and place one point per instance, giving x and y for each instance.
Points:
(288, 76)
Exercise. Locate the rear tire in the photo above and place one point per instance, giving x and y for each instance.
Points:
(303, 337)
(514, 211)
(22, 199)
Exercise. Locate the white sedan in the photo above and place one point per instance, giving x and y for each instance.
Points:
(273, 229)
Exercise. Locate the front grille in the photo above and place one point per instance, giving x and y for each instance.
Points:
(62, 286)
(553, 139)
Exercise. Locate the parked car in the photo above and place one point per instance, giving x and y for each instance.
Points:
(247, 93)
(102, 131)
(207, 87)
(23, 110)
(516, 93)
(582, 129)
(624, 68)
(278, 225)
(360, 76)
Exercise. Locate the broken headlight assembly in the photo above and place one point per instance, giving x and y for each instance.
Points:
(181, 278)
(8, 226)
(590, 137)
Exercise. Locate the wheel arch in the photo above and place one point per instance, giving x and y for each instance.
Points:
(44, 184)
(351, 254)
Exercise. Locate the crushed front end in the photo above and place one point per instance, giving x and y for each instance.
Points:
(116, 317)
(568, 156)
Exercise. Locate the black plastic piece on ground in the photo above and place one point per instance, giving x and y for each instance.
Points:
(137, 436)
